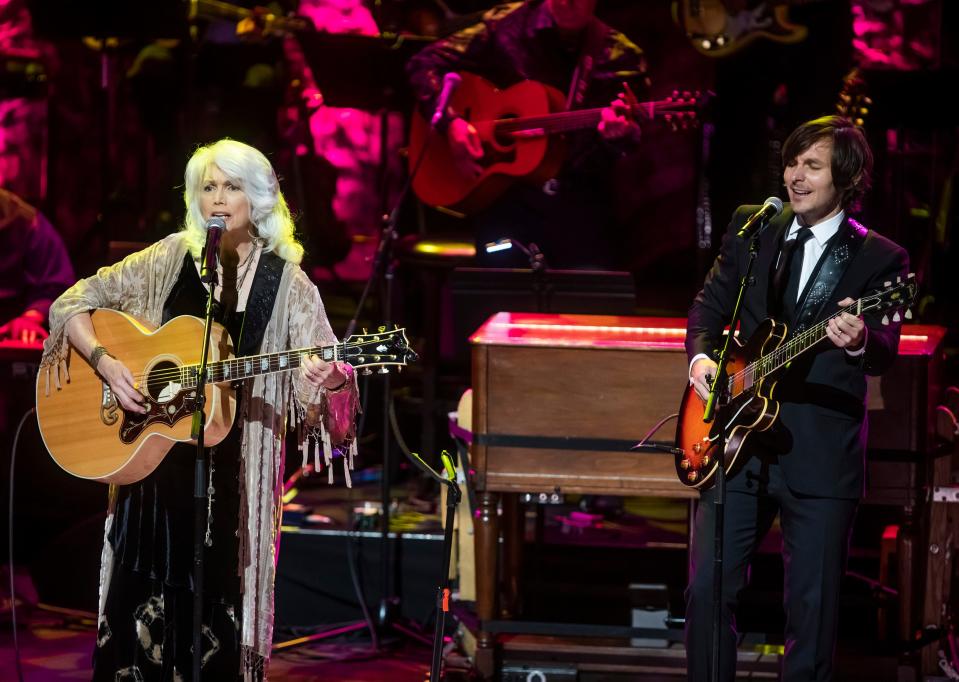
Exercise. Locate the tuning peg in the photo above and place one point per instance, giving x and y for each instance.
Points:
(381, 329)
(885, 320)
(364, 331)
(908, 314)
(898, 279)
(366, 371)
(895, 317)
(887, 283)
(383, 370)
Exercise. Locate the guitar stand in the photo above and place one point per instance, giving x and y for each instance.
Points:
(709, 414)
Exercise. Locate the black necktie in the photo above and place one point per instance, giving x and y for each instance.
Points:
(789, 269)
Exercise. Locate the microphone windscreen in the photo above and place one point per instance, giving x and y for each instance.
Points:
(216, 223)
(776, 203)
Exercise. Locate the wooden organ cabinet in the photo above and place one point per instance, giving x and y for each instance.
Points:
(558, 401)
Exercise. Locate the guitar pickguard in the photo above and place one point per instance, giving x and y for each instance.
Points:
(167, 412)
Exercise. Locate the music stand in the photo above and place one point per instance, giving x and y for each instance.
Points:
(370, 75)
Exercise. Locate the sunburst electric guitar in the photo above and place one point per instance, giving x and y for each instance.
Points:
(90, 436)
(747, 402)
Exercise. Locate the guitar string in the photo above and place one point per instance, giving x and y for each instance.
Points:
(577, 117)
(786, 350)
(293, 355)
(799, 340)
(339, 353)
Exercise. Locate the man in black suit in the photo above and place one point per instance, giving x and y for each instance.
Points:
(812, 260)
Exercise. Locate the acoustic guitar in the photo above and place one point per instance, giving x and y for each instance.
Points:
(747, 402)
(718, 28)
(519, 129)
(90, 436)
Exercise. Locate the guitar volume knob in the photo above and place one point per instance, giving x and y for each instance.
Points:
(692, 476)
(684, 463)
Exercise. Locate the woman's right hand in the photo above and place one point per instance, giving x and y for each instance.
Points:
(121, 383)
(465, 147)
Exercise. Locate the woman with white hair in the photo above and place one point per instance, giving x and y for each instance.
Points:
(268, 304)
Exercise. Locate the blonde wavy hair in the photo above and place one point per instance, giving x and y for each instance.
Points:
(252, 172)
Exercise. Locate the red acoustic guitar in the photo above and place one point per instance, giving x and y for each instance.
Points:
(519, 129)
(747, 402)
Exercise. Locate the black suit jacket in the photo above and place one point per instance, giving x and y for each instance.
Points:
(821, 434)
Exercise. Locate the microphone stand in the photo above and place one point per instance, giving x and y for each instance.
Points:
(383, 271)
(453, 497)
(200, 483)
(709, 414)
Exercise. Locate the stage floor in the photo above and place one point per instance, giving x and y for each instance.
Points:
(57, 649)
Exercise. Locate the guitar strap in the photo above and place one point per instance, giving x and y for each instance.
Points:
(259, 305)
(830, 269)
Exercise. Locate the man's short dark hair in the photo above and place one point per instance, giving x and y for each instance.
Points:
(851, 156)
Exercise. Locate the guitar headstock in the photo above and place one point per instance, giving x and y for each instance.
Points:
(383, 349)
(854, 101)
(894, 296)
(682, 110)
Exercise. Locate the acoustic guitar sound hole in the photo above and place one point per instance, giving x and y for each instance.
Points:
(163, 382)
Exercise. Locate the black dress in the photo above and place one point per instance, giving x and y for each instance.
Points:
(146, 630)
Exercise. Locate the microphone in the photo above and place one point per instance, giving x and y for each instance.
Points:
(214, 228)
(771, 208)
(450, 82)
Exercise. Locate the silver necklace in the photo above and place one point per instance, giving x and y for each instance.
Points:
(247, 266)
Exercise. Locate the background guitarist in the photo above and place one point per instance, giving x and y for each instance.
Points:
(812, 259)
(562, 44)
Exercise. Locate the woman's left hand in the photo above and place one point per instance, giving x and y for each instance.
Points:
(321, 373)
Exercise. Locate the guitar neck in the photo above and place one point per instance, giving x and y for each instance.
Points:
(216, 9)
(236, 369)
(579, 119)
(758, 370)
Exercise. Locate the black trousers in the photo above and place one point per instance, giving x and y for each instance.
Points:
(815, 546)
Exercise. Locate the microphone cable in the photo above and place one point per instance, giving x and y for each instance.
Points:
(13, 596)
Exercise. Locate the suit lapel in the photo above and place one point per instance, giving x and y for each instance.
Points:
(772, 240)
(840, 251)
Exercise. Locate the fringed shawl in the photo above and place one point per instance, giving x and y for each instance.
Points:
(139, 285)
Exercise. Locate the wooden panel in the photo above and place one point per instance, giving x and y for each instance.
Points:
(602, 393)
(584, 471)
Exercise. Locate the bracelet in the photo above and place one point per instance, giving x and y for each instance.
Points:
(98, 353)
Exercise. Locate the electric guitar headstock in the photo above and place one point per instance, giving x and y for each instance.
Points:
(854, 101)
(382, 349)
(893, 297)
